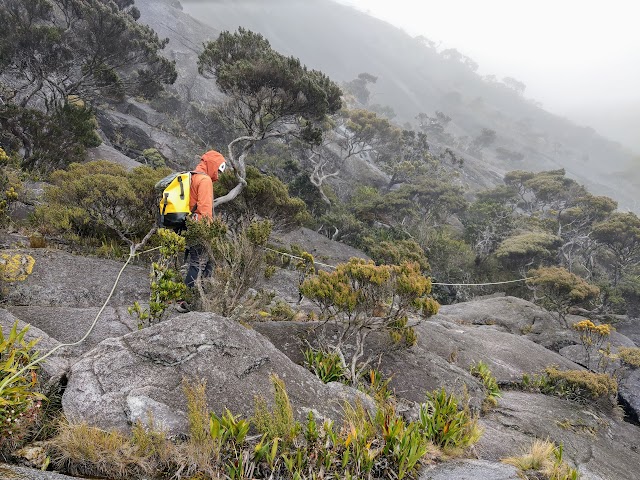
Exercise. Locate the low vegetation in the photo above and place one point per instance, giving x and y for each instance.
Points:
(20, 401)
(544, 460)
(272, 444)
(578, 385)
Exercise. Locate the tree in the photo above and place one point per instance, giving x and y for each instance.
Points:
(358, 87)
(557, 289)
(515, 85)
(360, 298)
(349, 133)
(58, 57)
(52, 49)
(269, 95)
(485, 139)
(525, 249)
(620, 235)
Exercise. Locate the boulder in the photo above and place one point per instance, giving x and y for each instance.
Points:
(630, 328)
(323, 249)
(14, 472)
(513, 315)
(68, 325)
(629, 393)
(508, 356)
(413, 371)
(106, 152)
(470, 470)
(64, 280)
(124, 379)
(598, 443)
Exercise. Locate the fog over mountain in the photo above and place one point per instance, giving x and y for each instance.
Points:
(578, 59)
(416, 75)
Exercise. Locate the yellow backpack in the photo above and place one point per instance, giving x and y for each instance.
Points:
(174, 195)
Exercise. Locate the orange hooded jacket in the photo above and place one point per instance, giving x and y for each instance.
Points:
(202, 185)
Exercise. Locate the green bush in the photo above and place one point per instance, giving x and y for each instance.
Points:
(327, 366)
(445, 425)
(578, 385)
(100, 200)
(265, 196)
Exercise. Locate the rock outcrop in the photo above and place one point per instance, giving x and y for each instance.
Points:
(60, 279)
(598, 443)
(124, 379)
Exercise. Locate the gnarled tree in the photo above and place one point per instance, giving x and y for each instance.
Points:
(269, 95)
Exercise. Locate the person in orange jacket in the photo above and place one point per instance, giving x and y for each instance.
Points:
(212, 164)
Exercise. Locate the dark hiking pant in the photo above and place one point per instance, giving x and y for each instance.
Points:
(200, 265)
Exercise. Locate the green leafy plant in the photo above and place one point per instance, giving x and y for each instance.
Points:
(444, 424)
(19, 399)
(327, 366)
(167, 285)
(481, 371)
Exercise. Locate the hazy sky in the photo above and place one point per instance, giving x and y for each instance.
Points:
(578, 57)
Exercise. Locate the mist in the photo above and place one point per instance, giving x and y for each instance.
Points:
(579, 59)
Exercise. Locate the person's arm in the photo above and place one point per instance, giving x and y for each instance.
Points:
(204, 208)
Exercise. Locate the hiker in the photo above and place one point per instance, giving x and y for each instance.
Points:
(211, 164)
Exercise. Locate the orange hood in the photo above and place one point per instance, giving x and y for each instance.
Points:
(209, 164)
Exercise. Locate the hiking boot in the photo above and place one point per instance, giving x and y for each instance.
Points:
(182, 307)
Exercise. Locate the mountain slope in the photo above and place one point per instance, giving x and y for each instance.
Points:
(414, 78)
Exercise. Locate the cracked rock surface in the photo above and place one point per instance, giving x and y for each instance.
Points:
(124, 379)
(598, 442)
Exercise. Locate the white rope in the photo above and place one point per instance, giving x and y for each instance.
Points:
(299, 258)
(479, 284)
(432, 283)
(17, 375)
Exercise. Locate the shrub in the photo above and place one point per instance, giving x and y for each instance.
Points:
(559, 289)
(545, 458)
(446, 426)
(238, 256)
(101, 200)
(265, 196)
(153, 158)
(360, 297)
(592, 336)
(19, 400)
(630, 356)
(577, 385)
